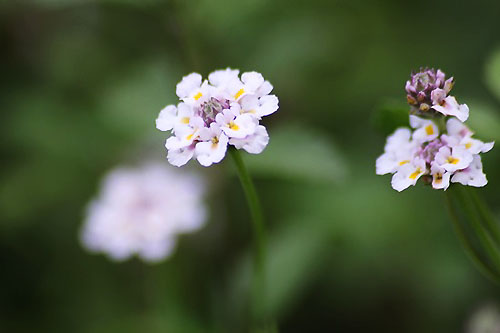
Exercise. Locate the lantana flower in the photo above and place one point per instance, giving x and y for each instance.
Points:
(212, 114)
(142, 211)
(439, 156)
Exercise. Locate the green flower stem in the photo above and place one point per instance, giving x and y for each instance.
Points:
(258, 231)
(473, 255)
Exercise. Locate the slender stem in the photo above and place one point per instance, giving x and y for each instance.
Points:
(258, 230)
(467, 245)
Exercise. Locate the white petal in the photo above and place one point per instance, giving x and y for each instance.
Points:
(179, 157)
(252, 80)
(269, 104)
(223, 77)
(188, 84)
(264, 89)
(473, 175)
(166, 118)
(451, 107)
(255, 143)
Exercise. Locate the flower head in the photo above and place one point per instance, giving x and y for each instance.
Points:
(428, 95)
(438, 157)
(223, 110)
(142, 211)
(440, 148)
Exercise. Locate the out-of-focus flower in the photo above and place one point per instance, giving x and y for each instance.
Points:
(142, 211)
(223, 110)
(428, 94)
(485, 319)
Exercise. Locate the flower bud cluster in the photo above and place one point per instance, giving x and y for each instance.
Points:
(428, 93)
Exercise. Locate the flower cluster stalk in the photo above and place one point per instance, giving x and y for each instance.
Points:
(259, 281)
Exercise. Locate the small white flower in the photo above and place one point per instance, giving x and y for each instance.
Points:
(172, 117)
(456, 128)
(167, 118)
(399, 150)
(192, 90)
(472, 175)
(180, 155)
(259, 106)
(426, 130)
(236, 125)
(222, 79)
(253, 144)
(475, 146)
(440, 177)
(213, 146)
(449, 105)
(142, 211)
(408, 174)
(453, 159)
(216, 112)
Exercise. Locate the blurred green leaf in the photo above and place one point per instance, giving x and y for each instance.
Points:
(484, 120)
(390, 116)
(492, 73)
(133, 99)
(295, 253)
(298, 152)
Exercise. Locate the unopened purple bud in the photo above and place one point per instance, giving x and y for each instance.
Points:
(426, 88)
(438, 96)
(448, 85)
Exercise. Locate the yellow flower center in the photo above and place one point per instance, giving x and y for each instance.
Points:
(233, 126)
(429, 130)
(416, 173)
(198, 95)
(404, 162)
(185, 120)
(239, 93)
(452, 160)
(438, 178)
(215, 142)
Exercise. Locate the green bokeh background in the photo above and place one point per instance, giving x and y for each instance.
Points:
(81, 84)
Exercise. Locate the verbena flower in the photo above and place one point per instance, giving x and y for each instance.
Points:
(212, 114)
(437, 155)
(142, 211)
(441, 158)
(428, 94)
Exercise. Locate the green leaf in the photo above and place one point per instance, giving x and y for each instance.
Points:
(484, 120)
(492, 73)
(390, 116)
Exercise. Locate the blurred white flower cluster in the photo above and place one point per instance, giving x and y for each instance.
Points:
(439, 154)
(223, 110)
(142, 211)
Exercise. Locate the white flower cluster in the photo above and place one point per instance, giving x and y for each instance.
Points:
(142, 211)
(441, 158)
(225, 109)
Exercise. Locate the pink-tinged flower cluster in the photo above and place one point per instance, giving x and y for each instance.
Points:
(428, 92)
(439, 156)
(142, 212)
(223, 110)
